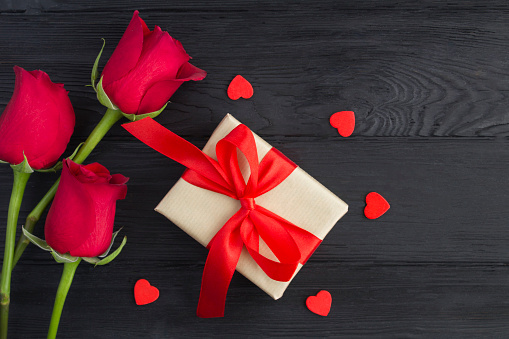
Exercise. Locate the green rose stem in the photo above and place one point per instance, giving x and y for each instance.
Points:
(18, 188)
(63, 289)
(109, 119)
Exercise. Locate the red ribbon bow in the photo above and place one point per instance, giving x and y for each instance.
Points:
(290, 244)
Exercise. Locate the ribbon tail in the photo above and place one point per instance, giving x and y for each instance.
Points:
(164, 141)
(225, 249)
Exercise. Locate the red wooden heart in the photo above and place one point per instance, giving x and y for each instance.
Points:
(344, 121)
(240, 87)
(320, 304)
(376, 206)
(144, 293)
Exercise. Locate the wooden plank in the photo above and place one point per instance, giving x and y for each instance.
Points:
(447, 197)
(381, 300)
(412, 70)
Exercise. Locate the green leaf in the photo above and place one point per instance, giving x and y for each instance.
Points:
(36, 241)
(95, 72)
(63, 258)
(136, 117)
(113, 255)
(103, 98)
(23, 166)
(111, 244)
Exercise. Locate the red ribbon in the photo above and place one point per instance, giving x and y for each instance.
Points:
(290, 244)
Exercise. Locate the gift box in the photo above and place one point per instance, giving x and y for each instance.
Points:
(304, 210)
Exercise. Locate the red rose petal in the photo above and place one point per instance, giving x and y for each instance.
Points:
(376, 206)
(160, 92)
(128, 51)
(144, 293)
(240, 87)
(320, 304)
(344, 122)
(158, 95)
(190, 72)
(67, 229)
(38, 120)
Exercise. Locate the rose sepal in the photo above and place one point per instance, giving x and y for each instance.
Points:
(97, 261)
(103, 97)
(63, 258)
(136, 117)
(58, 165)
(42, 244)
(114, 235)
(67, 258)
(95, 72)
(24, 166)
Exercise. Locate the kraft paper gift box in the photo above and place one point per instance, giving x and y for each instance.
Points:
(299, 199)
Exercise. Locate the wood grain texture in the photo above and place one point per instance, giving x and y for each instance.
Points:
(419, 69)
(428, 81)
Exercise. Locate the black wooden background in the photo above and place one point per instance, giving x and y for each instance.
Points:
(429, 83)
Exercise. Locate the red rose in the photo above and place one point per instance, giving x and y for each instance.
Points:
(38, 121)
(80, 220)
(146, 68)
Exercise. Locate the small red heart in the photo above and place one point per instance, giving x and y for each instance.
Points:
(376, 206)
(240, 87)
(320, 304)
(144, 293)
(344, 121)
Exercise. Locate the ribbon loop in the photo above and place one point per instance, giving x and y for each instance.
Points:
(290, 244)
(240, 138)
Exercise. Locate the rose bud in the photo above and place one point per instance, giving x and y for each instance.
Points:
(146, 68)
(38, 121)
(80, 220)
